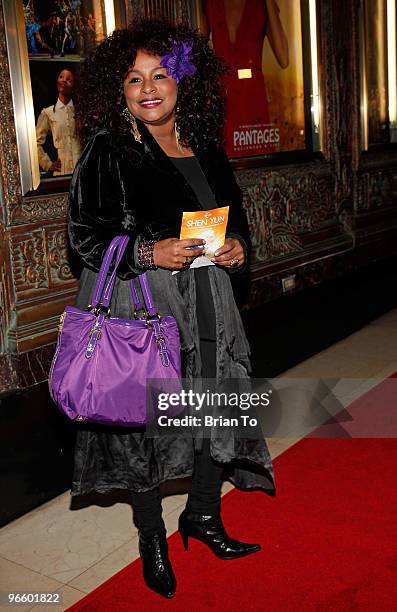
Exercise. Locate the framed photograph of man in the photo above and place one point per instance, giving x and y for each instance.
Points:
(46, 42)
(261, 42)
(59, 34)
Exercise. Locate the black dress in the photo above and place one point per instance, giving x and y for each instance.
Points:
(206, 321)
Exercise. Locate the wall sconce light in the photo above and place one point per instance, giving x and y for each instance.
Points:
(315, 94)
(391, 59)
(363, 76)
(391, 69)
(109, 16)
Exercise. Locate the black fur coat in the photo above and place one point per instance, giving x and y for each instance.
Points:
(121, 186)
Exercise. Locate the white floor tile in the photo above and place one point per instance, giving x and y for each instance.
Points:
(108, 566)
(60, 543)
(15, 578)
(69, 597)
(388, 320)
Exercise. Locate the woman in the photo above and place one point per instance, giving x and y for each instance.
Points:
(238, 29)
(58, 119)
(151, 110)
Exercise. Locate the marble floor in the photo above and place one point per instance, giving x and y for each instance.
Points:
(56, 549)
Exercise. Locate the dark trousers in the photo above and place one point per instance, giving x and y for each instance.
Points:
(205, 494)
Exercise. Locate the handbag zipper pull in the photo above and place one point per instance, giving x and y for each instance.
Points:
(162, 346)
(159, 339)
(94, 337)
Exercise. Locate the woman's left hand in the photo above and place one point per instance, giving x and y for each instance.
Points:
(230, 255)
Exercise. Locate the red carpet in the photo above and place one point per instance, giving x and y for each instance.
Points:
(373, 415)
(329, 541)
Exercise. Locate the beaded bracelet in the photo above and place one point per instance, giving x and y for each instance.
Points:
(145, 254)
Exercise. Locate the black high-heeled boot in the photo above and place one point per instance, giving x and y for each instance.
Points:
(157, 569)
(208, 528)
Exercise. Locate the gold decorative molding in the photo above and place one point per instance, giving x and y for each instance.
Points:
(29, 262)
(40, 260)
(58, 263)
(377, 189)
(285, 204)
(5, 290)
(31, 210)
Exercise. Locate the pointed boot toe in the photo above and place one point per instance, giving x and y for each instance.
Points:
(157, 570)
(209, 529)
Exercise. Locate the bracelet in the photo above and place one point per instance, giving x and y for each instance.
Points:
(145, 254)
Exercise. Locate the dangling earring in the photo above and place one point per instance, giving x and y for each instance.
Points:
(177, 133)
(132, 121)
(177, 138)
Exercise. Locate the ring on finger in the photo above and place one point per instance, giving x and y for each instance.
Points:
(234, 263)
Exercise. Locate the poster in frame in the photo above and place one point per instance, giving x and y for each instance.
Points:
(46, 42)
(261, 42)
(59, 35)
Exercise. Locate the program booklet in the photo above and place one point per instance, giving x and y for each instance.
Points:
(210, 225)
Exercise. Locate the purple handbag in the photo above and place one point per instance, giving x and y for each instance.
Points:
(101, 365)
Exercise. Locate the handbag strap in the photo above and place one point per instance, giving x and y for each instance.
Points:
(135, 297)
(147, 295)
(103, 297)
(104, 270)
(107, 294)
(148, 303)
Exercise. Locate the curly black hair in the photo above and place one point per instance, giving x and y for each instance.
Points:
(200, 104)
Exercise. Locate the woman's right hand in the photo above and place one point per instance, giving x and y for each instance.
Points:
(173, 254)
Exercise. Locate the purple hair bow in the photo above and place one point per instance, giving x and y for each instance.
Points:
(177, 61)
